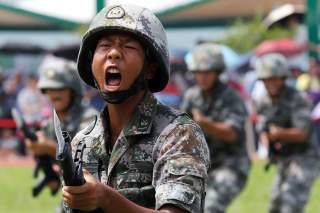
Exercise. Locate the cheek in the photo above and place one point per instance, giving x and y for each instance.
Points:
(205, 79)
(65, 101)
(97, 71)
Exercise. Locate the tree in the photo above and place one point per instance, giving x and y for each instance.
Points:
(246, 35)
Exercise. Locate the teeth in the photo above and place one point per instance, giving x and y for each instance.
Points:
(113, 70)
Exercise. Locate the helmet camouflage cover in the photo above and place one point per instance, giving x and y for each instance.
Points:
(138, 21)
(206, 57)
(271, 65)
(58, 73)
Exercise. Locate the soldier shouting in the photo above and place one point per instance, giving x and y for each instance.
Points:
(140, 155)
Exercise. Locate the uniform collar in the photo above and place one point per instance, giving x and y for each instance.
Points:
(141, 120)
(142, 117)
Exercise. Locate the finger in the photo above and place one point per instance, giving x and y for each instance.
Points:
(79, 201)
(88, 177)
(28, 143)
(56, 168)
(40, 136)
(76, 189)
(68, 199)
(71, 198)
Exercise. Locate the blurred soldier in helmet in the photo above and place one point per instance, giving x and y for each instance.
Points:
(284, 126)
(142, 156)
(221, 114)
(59, 81)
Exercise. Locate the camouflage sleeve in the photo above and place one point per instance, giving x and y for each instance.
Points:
(236, 114)
(186, 105)
(48, 130)
(180, 170)
(301, 113)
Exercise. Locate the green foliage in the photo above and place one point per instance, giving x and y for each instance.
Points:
(246, 35)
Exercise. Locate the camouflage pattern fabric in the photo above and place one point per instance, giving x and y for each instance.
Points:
(159, 158)
(223, 186)
(297, 171)
(292, 184)
(229, 161)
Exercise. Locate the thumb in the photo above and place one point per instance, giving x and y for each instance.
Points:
(87, 176)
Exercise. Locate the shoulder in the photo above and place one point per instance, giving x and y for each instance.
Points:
(229, 92)
(165, 115)
(168, 119)
(296, 97)
(180, 130)
(89, 115)
(230, 97)
(93, 130)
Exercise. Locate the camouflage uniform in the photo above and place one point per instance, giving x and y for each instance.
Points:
(159, 158)
(297, 166)
(229, 162)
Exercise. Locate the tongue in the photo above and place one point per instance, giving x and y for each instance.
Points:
(114, 82)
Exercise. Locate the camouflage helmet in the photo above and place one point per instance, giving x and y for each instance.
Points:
(271, 65)
(206, 57)
(58, 73)
(135, 20)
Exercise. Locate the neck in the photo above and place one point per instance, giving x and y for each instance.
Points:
(120, 114)
(61, 115)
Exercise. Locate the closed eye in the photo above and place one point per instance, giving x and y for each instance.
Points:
(104, 45)
(130, 47)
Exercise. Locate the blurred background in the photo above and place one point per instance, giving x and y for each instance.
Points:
(246, 29)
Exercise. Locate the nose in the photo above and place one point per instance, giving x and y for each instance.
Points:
(114, 54)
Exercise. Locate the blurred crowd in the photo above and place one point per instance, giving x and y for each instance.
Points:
(19, 90)
(305, 79)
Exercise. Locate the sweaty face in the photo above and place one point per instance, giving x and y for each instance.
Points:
(206, 80)
(117, 61)
(274, 86)
(59, 98)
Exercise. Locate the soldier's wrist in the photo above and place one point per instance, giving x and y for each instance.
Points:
(106, 197)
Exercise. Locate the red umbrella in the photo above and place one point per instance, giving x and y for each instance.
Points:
(285, 46)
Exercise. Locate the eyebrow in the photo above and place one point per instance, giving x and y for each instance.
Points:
(126, 39)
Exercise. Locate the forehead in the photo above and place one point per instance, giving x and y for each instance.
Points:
(124, 37)
(205, 73)
(273, 79)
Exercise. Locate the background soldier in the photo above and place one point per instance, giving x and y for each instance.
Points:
(59, 81)
(141, 155)
(221, 114)
(285, 128)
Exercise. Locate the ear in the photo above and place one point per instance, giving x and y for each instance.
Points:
(152, 69)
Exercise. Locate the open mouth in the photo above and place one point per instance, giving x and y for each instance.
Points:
(113, 79)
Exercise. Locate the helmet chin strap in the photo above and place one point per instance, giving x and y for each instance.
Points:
(118, 97)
